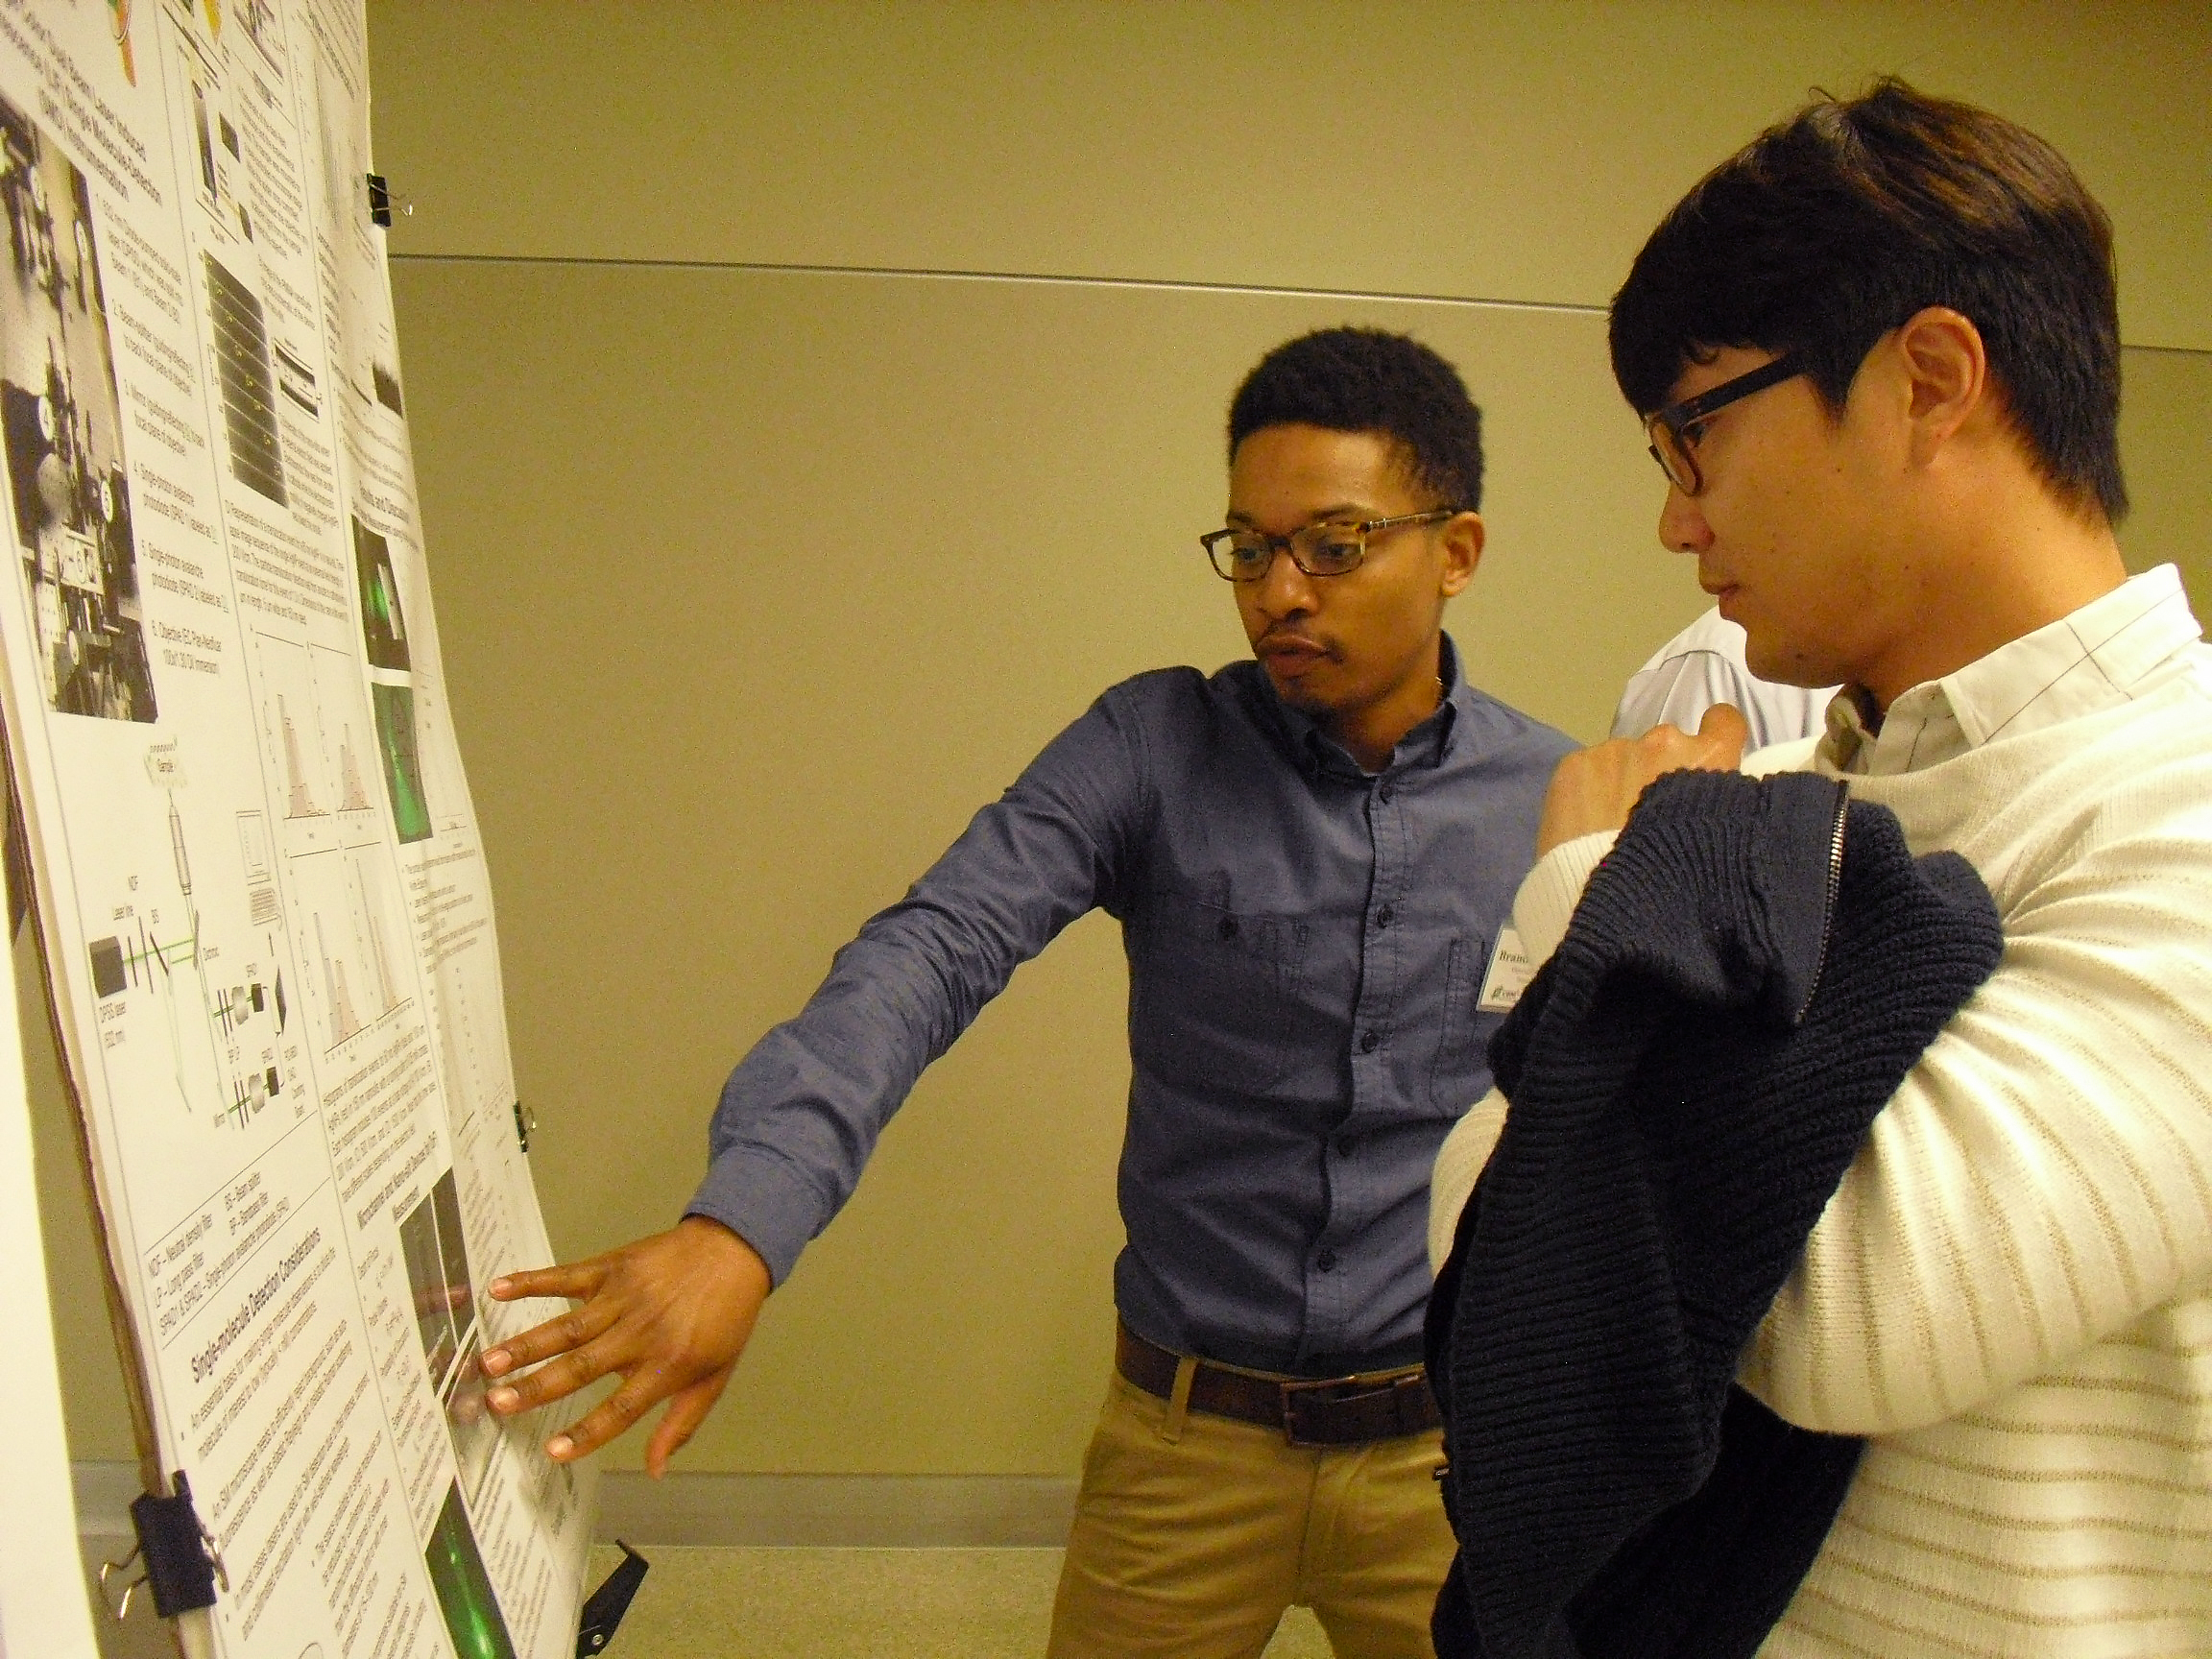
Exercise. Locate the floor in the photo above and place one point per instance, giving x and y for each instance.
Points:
(816, 1604)
(892, 1603)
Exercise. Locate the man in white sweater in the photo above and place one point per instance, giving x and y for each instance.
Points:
(1877, 356)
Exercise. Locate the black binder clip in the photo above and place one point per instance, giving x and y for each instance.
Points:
(382, 204)
(181, 1563)
(603, 1611)
(525, 1124)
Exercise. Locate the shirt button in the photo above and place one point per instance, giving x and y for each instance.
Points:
(1344, 1145)
(1326, 1262)
(1383, 792)
(1369, 1041)
(1228, 927)
(1385, 916)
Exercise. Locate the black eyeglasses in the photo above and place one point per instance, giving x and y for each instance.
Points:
(1331, 549)
(1674, 430)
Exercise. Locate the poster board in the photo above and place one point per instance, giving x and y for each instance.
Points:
(261, 892)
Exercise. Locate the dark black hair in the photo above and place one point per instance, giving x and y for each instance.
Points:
(1369, 380)
(1837, 226)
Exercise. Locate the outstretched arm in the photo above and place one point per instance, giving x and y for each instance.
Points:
(670, 1314)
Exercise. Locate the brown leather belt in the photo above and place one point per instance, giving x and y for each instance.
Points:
(1326, 1411)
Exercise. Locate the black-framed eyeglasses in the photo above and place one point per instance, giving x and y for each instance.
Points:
(1674, 430)
(1326, 549)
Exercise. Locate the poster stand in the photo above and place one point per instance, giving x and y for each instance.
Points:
(603, 1610)
(182, 1566)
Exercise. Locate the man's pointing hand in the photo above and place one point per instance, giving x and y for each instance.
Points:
(670, 1315)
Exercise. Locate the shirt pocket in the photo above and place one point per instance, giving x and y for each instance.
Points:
(1214, 994)
(1460, 1072)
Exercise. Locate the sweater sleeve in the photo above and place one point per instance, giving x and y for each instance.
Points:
(1542, 909)
(2043, 1178)
(1548, 893)
(1460, 1163)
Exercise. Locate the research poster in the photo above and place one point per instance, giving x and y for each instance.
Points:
(261, 890)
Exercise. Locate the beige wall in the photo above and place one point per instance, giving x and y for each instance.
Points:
(1515, 150)
(766, 547)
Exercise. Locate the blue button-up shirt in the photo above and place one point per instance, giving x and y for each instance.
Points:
(1307, 946)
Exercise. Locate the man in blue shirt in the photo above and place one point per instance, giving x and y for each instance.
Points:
(1312, 856)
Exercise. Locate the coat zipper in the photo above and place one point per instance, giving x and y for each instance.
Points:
(1834, 888)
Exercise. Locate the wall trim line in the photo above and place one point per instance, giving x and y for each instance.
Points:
(820, 1511)
(1062, 279)
(1046, 278)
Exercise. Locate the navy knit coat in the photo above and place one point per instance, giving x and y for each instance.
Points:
(1750, 974)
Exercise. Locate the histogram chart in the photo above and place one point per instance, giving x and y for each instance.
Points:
(346, 937)
(465, 989)
(317, 740)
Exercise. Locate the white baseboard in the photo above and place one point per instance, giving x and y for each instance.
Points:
(104, 1491)
(840, 1511)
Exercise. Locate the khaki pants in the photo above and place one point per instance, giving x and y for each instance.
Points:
(1194, 1533)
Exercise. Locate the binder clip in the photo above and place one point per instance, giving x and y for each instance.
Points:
(603, 1611)
(525, 1125)
(382, 204)
(181, 1563)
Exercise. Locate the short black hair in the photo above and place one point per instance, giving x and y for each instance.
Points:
(1371, 380)
(1837, 225)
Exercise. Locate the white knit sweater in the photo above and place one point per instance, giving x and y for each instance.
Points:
(2011, 1292)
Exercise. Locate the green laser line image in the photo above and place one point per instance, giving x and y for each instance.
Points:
(465, 1595)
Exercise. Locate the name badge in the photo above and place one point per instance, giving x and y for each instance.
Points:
(1508, 975)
